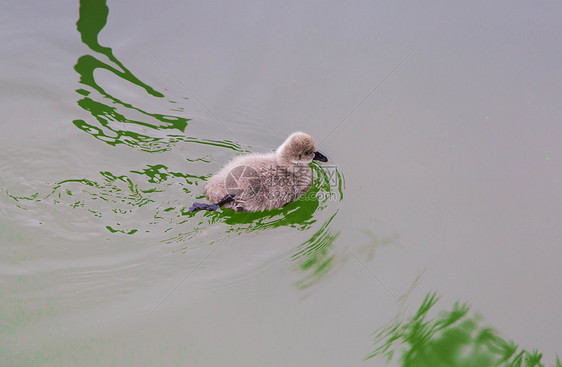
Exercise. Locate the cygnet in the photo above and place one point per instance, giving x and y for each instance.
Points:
(255, 182)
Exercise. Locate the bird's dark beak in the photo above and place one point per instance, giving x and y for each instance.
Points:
(320, 157)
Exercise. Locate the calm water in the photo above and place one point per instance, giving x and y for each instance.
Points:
(433, 237)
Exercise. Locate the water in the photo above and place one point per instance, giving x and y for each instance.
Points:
(442, 123)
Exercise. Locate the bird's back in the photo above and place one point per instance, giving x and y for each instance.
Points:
(258, 182)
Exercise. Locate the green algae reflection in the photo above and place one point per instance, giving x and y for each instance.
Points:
(164, 197)
(113, 123)
(451, 339)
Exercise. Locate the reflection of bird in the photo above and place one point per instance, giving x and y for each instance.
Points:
(256, 182)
